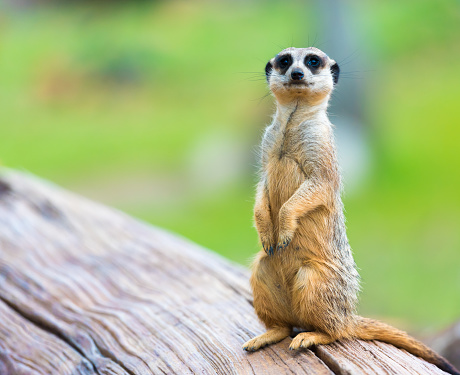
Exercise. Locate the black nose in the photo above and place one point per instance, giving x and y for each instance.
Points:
(297, 74)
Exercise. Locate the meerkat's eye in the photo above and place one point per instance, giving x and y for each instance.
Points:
(313, 61)
(284, 62)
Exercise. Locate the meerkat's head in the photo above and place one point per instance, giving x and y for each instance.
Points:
(302, 74)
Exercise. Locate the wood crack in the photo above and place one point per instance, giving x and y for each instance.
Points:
(330, 364)
(109, 355)
(49, 329)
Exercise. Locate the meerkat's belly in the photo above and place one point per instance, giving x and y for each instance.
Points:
(272, 283)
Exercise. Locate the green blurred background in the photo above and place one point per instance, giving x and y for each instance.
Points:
(157, 108)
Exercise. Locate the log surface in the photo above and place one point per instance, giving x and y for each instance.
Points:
(85, 289)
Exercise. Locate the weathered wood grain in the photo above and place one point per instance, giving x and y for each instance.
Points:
(359, 357)
(121, 297)
(26, 348)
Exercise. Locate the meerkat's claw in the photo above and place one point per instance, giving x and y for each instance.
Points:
(271, 250)
(299, 342)
(268, 250)
(285, 238)
(254, 344)
(283, 244)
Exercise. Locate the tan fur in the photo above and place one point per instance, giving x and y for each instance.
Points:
(306, 277)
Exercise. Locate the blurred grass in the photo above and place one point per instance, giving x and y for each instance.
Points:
(99, 99)
(405, 224)
(67, 114)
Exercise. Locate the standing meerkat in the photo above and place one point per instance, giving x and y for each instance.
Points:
(306, 277)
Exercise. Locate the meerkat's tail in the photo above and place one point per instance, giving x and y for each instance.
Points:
(369, 329)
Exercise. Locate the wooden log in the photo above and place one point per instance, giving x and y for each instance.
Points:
(85, 289)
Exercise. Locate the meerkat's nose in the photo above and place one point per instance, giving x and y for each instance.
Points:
(297, 74)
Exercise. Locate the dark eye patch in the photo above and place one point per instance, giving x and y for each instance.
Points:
(283, 62)
(335, 70)
(313, 63)
(268, 70)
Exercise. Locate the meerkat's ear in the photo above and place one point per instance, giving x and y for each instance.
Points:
(268, 70)
(335, 70)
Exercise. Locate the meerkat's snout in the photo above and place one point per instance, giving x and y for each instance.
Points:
(297, 74)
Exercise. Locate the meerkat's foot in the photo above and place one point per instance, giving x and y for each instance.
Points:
(272, 336)
(307, 339)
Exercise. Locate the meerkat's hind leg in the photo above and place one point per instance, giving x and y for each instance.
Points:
(308, 339)
(272, 336)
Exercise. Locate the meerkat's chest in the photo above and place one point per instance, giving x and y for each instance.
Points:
(279, 143)
(285, 153)
(298, 144)
(285, 164)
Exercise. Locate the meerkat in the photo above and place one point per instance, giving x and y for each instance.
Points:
(306, 276)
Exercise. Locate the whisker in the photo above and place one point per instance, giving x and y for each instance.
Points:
(250, 73)
(349, 58)
(262, 98)
(280, 47)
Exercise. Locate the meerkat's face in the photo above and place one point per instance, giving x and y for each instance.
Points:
(302, 73)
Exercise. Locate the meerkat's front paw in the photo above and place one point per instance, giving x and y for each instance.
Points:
(268, 245)
(267, 239)
(288, 225)
(284, 241)
(265, 228)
